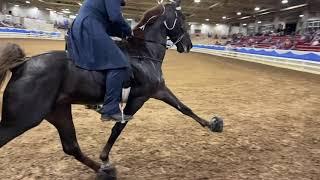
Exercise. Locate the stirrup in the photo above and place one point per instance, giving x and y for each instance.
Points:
(125, 94)
(124, 99)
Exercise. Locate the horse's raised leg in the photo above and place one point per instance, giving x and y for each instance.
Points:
(165, 95)
(115, 132)
(133, 105)
(61, 118)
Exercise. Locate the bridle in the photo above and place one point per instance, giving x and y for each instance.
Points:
(173, 26)
(168, 46)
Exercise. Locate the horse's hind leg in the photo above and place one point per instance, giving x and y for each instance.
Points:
(20, 113)
(61, 118)
(15, 123)
(9, 132)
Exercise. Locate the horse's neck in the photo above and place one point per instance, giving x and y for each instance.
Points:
(153, 49)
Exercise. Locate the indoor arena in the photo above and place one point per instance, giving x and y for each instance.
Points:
(241, 102)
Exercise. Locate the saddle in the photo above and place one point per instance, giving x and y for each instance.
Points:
(126, 85)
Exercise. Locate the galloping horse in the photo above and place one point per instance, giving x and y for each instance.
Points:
(45, 86)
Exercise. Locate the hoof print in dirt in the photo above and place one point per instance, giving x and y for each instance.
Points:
(216, 124)
(107, 174)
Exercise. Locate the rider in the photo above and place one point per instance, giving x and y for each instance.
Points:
(91, 48)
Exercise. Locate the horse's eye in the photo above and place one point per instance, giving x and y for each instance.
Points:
(183, 17)
(184, 26)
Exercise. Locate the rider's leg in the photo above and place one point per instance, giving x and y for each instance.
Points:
(115, 79)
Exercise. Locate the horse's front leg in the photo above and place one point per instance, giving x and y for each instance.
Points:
(165, 95)
(133, 105)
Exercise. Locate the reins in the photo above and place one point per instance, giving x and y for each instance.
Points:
(150, 41)
(145, 57)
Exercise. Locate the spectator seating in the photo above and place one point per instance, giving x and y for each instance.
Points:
(307, 42)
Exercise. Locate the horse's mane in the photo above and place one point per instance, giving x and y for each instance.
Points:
(149, 17)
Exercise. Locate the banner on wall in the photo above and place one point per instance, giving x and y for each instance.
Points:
(291, 54)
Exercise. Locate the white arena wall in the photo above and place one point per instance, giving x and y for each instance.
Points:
(288, 63)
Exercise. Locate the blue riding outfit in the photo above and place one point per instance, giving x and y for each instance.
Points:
(91, 47)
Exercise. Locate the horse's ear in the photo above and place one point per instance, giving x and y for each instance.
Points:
(123, 3)
(177, 4)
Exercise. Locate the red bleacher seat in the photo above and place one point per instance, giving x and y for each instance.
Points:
(305, 47)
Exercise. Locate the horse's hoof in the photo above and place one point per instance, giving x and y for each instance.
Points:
(216, 124)
(107, 173)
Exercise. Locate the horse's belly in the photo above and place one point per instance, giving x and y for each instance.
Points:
(83, 87)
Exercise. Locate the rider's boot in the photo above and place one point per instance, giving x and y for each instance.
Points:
(116, 96)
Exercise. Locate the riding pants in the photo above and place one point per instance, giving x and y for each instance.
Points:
(115, 79)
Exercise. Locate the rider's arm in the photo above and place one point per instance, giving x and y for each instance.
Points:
(115, 32)
(115, 16)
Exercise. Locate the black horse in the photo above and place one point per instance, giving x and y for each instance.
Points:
(45, 86)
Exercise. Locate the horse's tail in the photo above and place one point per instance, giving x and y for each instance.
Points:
(11, 56)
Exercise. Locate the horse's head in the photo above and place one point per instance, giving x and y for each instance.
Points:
(165, 20)
(176, 26)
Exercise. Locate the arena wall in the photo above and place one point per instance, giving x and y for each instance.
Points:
(297, 60)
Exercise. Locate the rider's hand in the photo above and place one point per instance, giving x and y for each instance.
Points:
(130, 37)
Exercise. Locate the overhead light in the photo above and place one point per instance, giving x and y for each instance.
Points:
(245, 17)
(129, 19)
(264, 13)
(301, 15)
(284, 1)
(294, 7)
(224, 17)
(263, 10)
(217, 24)
(67, 12)
(16, 5)
(214, 5)
(259, 22)
(207, 19)
(72, 16)
(66, 9)
(244, 24)
(257, 9)
(48, 9)
(239, 13)
(197, 1)
(28, 2)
